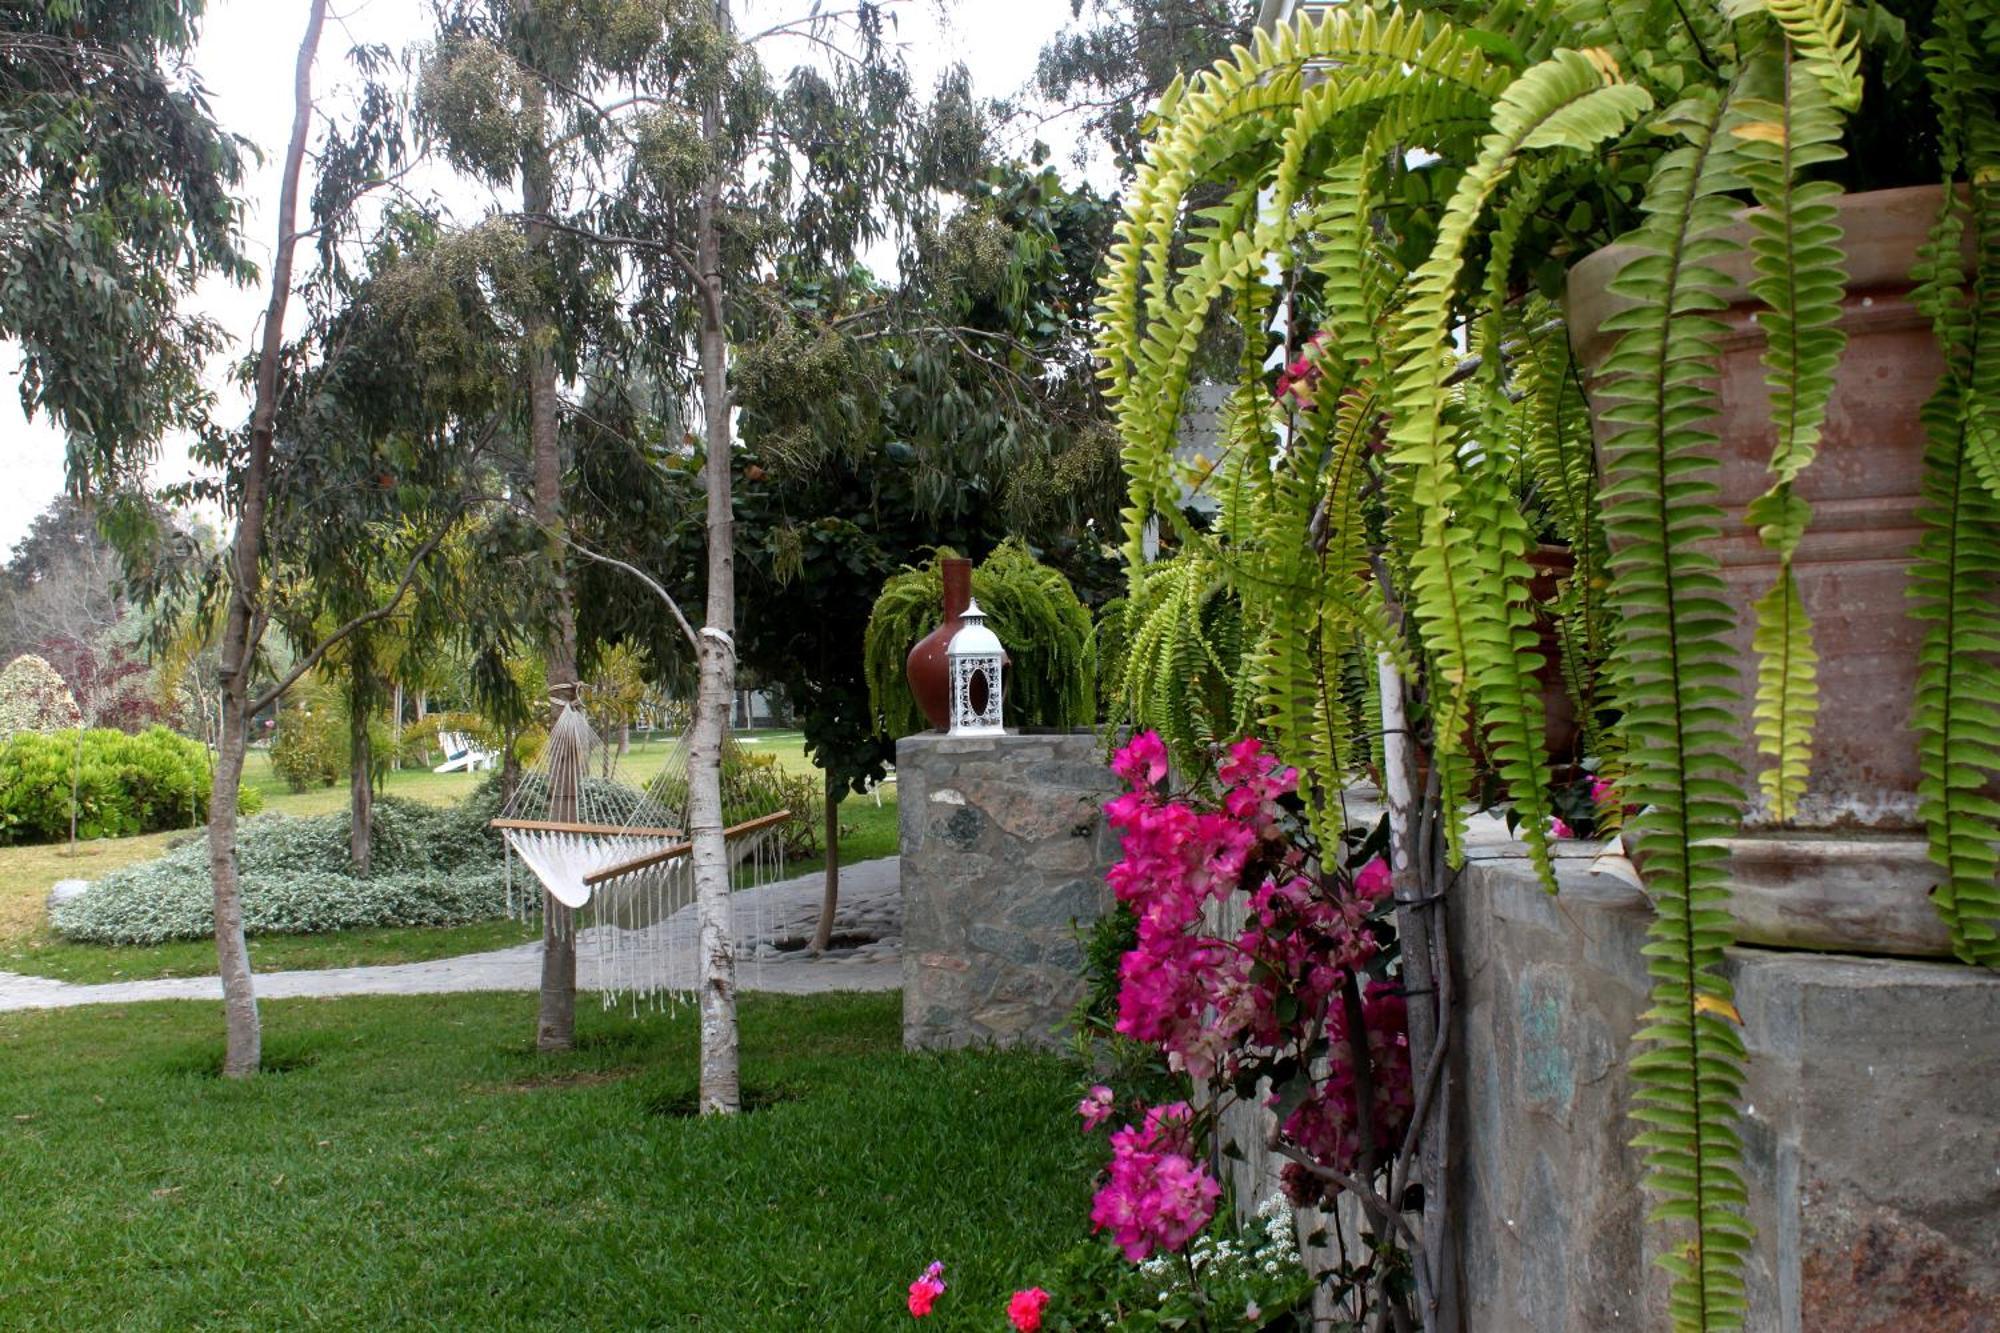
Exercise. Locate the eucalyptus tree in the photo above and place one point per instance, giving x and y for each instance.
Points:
(952, 408)
(662, 170)
(1112, 64)
(115, 200)
(514, 94)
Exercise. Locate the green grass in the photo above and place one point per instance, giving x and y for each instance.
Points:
(27, 873)
(48, 955)
(416, 1165)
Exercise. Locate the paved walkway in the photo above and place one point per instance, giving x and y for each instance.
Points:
(772, 925)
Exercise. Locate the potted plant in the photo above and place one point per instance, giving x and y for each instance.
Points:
(1412, 187)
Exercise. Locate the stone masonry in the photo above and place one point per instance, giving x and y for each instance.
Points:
(1004, 853)
(1871, 1127)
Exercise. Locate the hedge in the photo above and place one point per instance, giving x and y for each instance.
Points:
(123, 784)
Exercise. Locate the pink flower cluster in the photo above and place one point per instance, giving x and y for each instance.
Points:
(1299, 375)
(1155, 1196)
(1219, 1006)
(1327, 1123)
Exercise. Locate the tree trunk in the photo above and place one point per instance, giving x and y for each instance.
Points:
(360, 788)
(396, 727)
(829, 902)
(423, 704)
(244, 1042)
(555, 1026)
(720, 1092)
(1417, 908)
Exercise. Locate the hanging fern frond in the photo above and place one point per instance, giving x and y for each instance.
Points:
(1799, 276)
(1469, 570)
(1952, 578)
(1674, 672)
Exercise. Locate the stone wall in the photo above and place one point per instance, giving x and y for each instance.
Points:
(1872, 1123)
(1004, 852)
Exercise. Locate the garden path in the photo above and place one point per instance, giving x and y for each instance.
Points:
(769, 919)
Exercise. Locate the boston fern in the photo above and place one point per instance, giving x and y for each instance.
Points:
(1396, 184)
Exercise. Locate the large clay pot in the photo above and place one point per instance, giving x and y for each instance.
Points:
(1561, 734)
(928, 671)
(1853, 564)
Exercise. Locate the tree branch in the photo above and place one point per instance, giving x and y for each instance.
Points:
(694, 640)
(362, 621)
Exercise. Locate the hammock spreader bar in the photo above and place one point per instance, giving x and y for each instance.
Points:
(651, 859)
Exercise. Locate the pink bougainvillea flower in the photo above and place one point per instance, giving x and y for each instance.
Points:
(1154, 1195)
(1096, 1108)
(1143, 760)
(1560, 829)
(1600, 791)
(926, 1289)
(1024, 1310)
(1372, 881)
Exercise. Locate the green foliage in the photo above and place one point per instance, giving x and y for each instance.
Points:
(432, 866)
(34, 697)
(117, 181)
(1951, 582)
(1226, 1273)
(1386, 500)
(1052, 679)
(123, 784)
(309, 748)
(753, 785)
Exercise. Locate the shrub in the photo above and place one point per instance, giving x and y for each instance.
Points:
(311, 747)
(753, 785)
(33, 697)
(121, 785)
(433, 867)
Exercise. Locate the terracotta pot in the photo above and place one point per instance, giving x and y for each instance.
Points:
(928, 671)
(1853, 564)
(1561, 735)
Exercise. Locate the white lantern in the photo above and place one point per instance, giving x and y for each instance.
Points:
(976, 662)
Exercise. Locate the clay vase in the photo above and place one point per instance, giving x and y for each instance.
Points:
(1853, 564)
(1562, 737)
(928, 671)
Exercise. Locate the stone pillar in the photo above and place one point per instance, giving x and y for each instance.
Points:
(1004, 852)
(1871, 1130)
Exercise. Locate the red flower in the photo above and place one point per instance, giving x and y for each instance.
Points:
(926, 1289)
(1024, 1311)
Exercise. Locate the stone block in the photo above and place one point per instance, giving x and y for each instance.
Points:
(1871, 1126)
(1004, 852)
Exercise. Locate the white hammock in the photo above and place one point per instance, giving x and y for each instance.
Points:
(565, 861)
(627, 864)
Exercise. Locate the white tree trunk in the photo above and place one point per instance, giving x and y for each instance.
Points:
(720, 1091)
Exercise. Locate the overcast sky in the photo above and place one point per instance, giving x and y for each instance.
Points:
(245, 57)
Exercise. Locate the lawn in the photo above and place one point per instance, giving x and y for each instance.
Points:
(417, 1165)
(27, 873)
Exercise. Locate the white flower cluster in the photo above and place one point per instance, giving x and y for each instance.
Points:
(1270, 1245)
